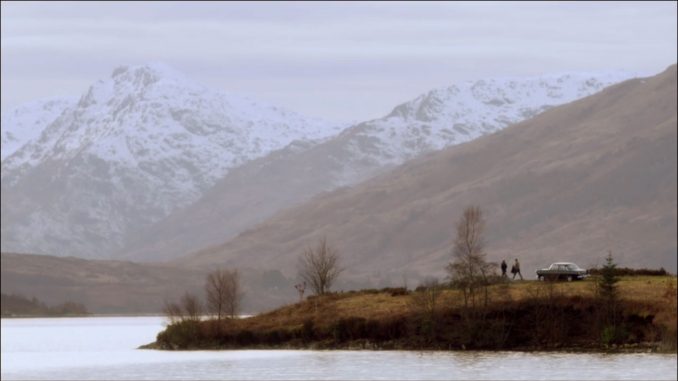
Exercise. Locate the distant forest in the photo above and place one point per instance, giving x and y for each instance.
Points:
(18, 305)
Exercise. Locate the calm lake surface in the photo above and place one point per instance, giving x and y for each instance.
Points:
(104, 348)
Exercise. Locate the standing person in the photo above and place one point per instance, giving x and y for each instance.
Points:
(516, 270)
(503, 269)
(301, 287)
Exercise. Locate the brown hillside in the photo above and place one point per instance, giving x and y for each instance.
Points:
(102, 286)
(592, 175)
(125, 287)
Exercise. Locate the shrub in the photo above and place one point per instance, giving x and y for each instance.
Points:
(182, 335)
(625, 271)
(351, 328)
(246, 337)
(276, 336)
(614, 334)
(385, 330)
(668, 337)
(400, 291)
(395, 291)
(422, 287)
(307, 333)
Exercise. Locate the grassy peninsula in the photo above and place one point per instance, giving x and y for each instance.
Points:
(523, 315)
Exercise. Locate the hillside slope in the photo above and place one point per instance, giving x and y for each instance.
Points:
(594, 175)
(440, 118)
(105, 286)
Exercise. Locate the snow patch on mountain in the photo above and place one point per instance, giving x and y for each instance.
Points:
(147, 141)
(151, 113)
(26, 122)
(133, 148)
(459, 113)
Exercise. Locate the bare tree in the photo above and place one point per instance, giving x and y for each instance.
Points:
(425, 298)
(319, 267)
(424, 302)
(192, 309)
(223, 293)
(469, 269)
(172, 311)
(234, 294)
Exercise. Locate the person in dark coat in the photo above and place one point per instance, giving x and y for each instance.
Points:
(516, 269)
(503, 268)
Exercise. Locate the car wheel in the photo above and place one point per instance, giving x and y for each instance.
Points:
(569, 278)
(541, 278)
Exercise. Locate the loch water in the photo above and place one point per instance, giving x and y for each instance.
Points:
(105, 348)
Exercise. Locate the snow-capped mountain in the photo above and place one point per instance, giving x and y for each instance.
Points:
(26, 122)
(149, 113)
(557, 184)
(460, 113)
(440, 118)
(134, 147)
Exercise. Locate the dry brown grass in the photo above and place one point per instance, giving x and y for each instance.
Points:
(381, 305)
(329, 308)
(646, 293)
(645, 289)
(648, 306)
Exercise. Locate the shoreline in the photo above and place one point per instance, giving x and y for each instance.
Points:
(560, 317)
(80, 316)
(653, 348)
(44, 316)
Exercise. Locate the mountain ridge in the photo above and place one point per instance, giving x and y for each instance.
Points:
(134, 147)
(439, 118)
(569, 184)
(28, 121)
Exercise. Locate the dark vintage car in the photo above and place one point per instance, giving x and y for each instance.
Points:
(562, 271)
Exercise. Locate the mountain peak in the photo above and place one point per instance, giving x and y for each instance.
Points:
(133, 84)
(138, 144)
(452, 104)
(156, 69)
(139, 78)
(144, 142)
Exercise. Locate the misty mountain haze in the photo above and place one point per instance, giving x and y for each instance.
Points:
(26, 122)
(440, 118)
(594, 175)
(135, 146)
(142, 144)
(273, 189)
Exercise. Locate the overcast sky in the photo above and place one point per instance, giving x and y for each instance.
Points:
(341, 61)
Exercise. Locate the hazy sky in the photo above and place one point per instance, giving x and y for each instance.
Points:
(342, 61)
